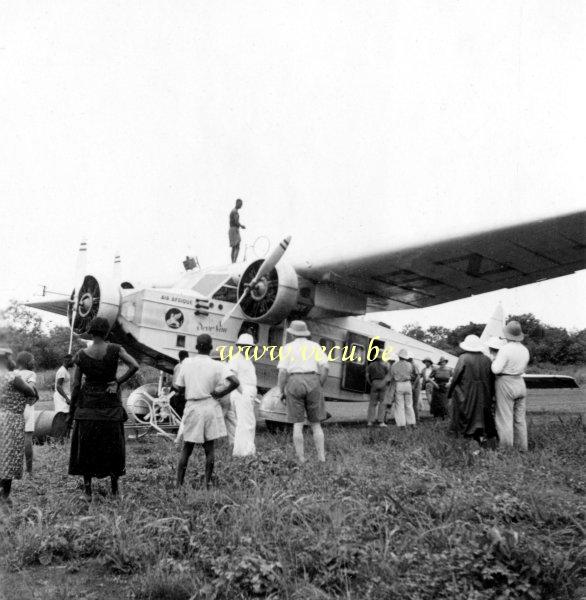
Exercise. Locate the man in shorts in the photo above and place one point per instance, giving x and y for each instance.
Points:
(201, 380)
(303, 371)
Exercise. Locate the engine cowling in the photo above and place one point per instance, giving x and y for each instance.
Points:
(275, 295)
(95, 299)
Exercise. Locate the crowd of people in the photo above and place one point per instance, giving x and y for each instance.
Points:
(396, 386)
(89, 403)
(483, 396)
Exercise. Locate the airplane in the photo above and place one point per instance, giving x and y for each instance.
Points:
(261, 296)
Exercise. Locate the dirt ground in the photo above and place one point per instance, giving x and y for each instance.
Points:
(62, 582)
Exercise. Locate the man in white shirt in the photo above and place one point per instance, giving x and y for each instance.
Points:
(62, 393)
(242, 399)
(199, 380)
(509, 366)
(303, 371)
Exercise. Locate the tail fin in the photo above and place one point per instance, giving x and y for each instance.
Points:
(494, 326)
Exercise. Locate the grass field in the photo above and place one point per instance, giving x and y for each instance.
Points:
(392, 514)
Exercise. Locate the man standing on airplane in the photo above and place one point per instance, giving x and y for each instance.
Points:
(234, 230)
(303, 371)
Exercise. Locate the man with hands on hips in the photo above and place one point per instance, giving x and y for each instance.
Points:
(303, 371)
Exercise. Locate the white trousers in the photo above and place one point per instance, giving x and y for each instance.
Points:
(509, 417)
(404, 413)
(245, 428)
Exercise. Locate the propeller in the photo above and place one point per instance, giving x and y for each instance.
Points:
(266, 267)
(80, 269)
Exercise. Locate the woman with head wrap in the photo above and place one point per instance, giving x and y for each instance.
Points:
(97, 441)
(15, 394)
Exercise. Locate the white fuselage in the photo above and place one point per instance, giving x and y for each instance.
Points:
(154, 324)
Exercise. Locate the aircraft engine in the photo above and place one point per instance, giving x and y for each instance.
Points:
(273, 297)
(95, 299)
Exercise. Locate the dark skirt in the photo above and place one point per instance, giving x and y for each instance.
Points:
(438, 407)
(98, 449)
(472, 412)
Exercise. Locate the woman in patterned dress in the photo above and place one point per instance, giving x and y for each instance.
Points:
(97, 441)
(15, 394)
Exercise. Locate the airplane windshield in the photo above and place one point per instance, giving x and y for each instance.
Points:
(210, 282)
(228, 292)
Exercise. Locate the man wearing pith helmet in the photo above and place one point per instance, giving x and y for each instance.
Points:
(303, 371)
(401, 373)
(509, 367)
(426, 378)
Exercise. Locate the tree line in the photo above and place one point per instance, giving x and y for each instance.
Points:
(547, 344)
(21, 328)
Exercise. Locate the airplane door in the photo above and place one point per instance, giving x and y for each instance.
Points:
(354, 372)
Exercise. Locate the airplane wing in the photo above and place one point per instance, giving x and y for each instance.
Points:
(57, 306)
(435, 272)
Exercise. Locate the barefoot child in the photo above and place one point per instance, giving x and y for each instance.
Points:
(201, 380)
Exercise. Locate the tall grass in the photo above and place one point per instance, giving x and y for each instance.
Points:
(392, 514)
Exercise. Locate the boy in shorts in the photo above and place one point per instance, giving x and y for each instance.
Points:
(201, 380)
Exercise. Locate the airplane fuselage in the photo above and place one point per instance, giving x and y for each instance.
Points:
(154, 324)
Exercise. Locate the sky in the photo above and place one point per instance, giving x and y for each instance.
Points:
(135, 125)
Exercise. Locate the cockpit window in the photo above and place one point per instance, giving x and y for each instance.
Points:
(210, 282)
(228, 292)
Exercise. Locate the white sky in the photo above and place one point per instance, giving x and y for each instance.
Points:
(137, 124)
